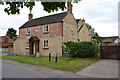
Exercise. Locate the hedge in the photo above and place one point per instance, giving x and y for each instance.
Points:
(6, 46)
(82, 49)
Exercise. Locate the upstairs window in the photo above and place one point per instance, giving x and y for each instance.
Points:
(45, 44)
(28, 31)
(6, 39)
(45, 29)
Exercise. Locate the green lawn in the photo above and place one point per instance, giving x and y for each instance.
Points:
(64, 63)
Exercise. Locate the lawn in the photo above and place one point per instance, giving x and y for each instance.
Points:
(64, 63)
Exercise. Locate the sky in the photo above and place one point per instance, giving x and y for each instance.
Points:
(102, 15)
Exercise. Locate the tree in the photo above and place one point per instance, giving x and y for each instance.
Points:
(14, 7)
(94, 35)
(11, 33)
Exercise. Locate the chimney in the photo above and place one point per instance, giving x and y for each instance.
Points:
(30, 16)
(69, 7)
(83, 21)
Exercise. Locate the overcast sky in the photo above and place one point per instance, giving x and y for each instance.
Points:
(101, 14)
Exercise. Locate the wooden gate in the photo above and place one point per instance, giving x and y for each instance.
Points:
(110, 52)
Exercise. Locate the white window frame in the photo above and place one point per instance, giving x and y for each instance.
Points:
(45, 43)
(27, 44)
(44, 28)
(27, 31)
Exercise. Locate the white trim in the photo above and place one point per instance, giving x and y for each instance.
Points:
(43, 29)
(26, 31)
(27, 43)
(47, 44)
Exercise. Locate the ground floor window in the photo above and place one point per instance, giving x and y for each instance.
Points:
(27, 44)
(45, 44)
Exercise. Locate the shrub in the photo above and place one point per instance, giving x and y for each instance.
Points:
(6, 46)
(119, 43)
(82, 49)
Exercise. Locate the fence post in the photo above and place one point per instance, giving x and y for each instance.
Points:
(49, 56)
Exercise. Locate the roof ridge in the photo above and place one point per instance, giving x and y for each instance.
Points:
(50, 15)
(45, 19)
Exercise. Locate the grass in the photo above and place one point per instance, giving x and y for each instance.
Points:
(68, 64)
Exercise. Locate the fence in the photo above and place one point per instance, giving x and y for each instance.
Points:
(5, 51)
(110, 52)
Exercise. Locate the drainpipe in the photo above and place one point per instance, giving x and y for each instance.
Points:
(77, 33)
(63, 40)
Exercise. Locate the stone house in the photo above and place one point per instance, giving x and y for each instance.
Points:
(48, 33)
(5, 40)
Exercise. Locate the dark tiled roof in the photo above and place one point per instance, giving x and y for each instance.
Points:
(35, 38)
(110, 39)
(77, 20)
(45, 20)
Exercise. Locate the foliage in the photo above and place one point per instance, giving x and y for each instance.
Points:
(6, 46)
(82, 49)
(11, 33)
(14, 7)
(94, 35)
(15, 38)
(119, 43)
(68, 64)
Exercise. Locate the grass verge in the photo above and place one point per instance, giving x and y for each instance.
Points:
(64, 63)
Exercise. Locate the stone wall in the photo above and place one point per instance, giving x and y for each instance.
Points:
(54, 45)
(70, 24)
(83, 35)
(20, 47)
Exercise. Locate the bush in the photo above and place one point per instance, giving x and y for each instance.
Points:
(6, 46)
(82, 49)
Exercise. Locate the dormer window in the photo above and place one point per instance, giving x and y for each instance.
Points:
(45, 29)
(28, 31)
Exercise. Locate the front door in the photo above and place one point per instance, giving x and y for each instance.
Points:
(33, 48)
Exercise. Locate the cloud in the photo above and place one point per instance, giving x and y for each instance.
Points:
(101, 14)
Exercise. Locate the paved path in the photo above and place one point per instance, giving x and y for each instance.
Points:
(12, 69)
(101, 69)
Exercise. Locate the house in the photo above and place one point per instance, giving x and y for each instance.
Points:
(82, 30)
(48, 33)
(5, 40)
(110, 40)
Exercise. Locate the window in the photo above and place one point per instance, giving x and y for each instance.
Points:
(27, 44)
(45, 29)
(72, 32)
(6, 39)
(78, 40)
(28, 31)
(45, 43)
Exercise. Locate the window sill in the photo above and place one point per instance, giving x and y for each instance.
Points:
(45, 32)
(27, 34)
(27, 47)
(45, 47)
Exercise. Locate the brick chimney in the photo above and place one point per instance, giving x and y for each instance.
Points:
(69, 7)
(30, 16)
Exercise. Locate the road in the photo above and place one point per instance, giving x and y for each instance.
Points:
(12, 69)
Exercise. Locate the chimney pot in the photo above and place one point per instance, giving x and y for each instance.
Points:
(30, 16)
(69, 7)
